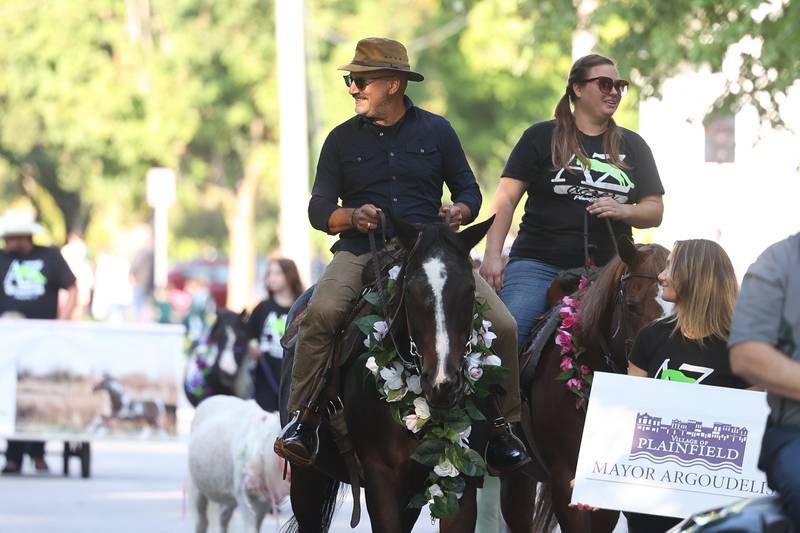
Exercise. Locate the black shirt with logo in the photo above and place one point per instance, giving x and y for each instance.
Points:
(31, 282)
(673, 357)
(552, 227)
(267, 323)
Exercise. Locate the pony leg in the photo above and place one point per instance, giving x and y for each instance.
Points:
(200, 504)
(464, 520)
(517, 498)
(313, 497)
(225, 514)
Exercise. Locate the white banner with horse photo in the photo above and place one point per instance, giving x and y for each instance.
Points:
(84, 380)
(669, 448)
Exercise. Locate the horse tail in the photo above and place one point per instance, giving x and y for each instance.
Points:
(544, 519)
(330, 493)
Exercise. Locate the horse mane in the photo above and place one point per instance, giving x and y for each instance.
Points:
(595, 305)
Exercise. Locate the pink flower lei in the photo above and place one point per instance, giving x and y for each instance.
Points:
(577, 376)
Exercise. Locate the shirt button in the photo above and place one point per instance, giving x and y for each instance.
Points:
(358, 158)
(394, 199)
(391, 154)
(394, 178)
(422, 150)
(380, 133)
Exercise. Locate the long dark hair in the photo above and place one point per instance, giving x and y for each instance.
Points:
(565, 141)
(289, 270)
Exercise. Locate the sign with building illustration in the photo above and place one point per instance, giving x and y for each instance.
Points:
(669, 448)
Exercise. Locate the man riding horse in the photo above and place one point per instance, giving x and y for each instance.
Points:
(392, 157)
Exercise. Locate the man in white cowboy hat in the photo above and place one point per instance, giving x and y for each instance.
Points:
(32, 277)
(392, 157)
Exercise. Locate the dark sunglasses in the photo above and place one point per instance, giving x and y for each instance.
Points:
(605, 84)
(361, 83)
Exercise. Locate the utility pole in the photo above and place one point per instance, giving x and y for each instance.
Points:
(160, 196)
(294, 225)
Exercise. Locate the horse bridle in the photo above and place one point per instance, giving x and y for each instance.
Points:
(415, 358)
(620, 302)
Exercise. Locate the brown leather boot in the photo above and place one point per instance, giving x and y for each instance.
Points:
(298, 442)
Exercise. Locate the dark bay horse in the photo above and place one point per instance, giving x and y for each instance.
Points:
(217, 364)
(624, 297)
(437, 294)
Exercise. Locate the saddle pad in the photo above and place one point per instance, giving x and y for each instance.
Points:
(542, 331)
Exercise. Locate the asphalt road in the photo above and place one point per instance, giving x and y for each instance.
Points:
(135, 487)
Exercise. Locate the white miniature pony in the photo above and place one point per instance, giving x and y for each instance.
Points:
(231, 462)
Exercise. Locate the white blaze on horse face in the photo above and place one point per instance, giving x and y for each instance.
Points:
(227, 361)
(666, 307)
(437, 275)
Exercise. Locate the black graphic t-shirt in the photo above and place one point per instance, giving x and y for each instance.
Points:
(676, 358)
(31, 282)
(268, 324)
(552, 226)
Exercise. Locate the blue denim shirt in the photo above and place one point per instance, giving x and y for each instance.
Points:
(401, 169)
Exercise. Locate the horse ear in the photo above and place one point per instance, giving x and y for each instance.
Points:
(407, 233)
(472, 235)
(627, 250)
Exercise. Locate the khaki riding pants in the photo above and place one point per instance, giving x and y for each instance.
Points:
(336, 294)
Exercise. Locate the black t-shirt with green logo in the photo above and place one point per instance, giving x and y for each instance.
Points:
(30, 282)
(267, 323)
(676, 358)
(552, 226)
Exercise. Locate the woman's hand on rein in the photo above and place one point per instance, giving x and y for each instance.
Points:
(365, 218)
(607, 207)
(493, 270)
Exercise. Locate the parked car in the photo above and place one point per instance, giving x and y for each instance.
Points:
(214, 272)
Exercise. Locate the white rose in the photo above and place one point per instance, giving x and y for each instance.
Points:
(488, 337)
(486, 325)
(381, 328)
(413, 384)
(474, 359)
(445, 469)
(372, 365)
(394, 271)
(464, 442)
(411, 422)
(492, 360)
(435, 490)
(421, 408)
(366, 341)
(392, 377)
(475, 373)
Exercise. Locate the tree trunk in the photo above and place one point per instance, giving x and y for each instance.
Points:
(241, 226)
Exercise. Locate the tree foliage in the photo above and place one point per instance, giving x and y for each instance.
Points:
(753, 42)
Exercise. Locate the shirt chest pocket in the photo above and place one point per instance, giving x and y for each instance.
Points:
(358, 168)
(424, 160)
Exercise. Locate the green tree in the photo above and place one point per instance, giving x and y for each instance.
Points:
(752, 39)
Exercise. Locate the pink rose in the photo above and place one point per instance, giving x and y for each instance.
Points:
(566, 364)
(568, 301)
(569, 321)
(583, 283)
(585, 370)
(574, 383)
(564, 339)
(566, 311)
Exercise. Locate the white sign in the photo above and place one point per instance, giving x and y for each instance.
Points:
(82, 380)
(669, 448)
(160, 187)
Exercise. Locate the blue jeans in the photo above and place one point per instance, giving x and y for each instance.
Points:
(524, 292)
(780, 460)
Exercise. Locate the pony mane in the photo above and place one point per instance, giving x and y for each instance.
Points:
(598, 298)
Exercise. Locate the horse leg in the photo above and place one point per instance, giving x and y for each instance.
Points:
(517, 497)
(604, 521)
(200, 503)
(464, 519)
(570, 520)
(385, 503)
(313, 497)
(225, 513)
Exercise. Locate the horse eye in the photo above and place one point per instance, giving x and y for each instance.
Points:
(632, 305)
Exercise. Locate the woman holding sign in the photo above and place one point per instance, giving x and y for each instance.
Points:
(690, 344)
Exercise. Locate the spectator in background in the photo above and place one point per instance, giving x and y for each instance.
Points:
(267, 323)
(765, 350)
(143, 282)
(32, 277)
(76, 255)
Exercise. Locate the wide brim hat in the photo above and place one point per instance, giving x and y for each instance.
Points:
(18, 223)
(379, 53)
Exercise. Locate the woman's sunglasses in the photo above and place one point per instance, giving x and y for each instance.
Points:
(606, 84)
(361, 83)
